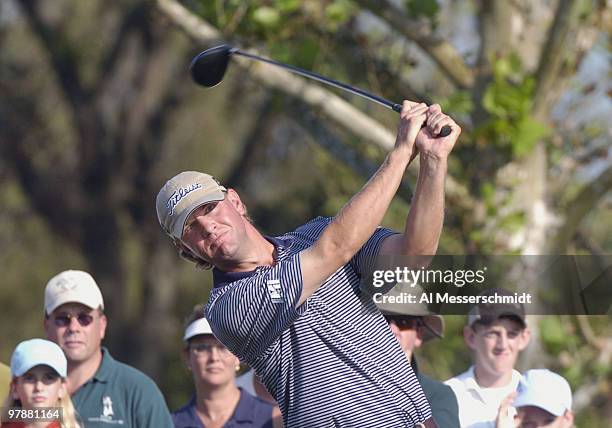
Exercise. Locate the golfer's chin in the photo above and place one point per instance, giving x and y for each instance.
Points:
(223, 253)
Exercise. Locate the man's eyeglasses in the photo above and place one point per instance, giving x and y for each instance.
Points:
(404, 322)
(200, 348)
(63, 320)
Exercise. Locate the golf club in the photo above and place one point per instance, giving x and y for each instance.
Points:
(208, 69)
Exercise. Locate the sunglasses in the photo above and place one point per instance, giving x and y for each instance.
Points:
(64, 319)
(405, 322)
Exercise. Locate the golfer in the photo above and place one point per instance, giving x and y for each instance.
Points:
(292, 307)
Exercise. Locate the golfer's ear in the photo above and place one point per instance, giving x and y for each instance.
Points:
(234, 199)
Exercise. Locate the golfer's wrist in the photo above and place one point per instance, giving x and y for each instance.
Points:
(403, 152)
(433, 164)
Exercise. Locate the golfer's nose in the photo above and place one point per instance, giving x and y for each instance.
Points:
(207, 223)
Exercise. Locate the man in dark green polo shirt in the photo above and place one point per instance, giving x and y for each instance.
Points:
(104, 391)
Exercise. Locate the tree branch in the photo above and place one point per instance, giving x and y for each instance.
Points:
(324, 137)
(60, 56)
(252, 144)
(589, 336)
(552, 56)
(131, 21)
(580, 206)
(442, 52)
(64, 63)
(52, 197)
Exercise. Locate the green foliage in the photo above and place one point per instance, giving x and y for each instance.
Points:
(267, 17)
(423, 9)
(302, 54)
(338, 13)
(487, 191)
(513, 222)
(287, 6)
(553, 335)
(459, 102)
(509, 100)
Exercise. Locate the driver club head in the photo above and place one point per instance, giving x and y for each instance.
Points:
(208, 67)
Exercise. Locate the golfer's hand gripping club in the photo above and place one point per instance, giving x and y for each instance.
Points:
(208, 69)
(444, 132)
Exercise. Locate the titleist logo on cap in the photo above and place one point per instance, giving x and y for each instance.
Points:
(179, 194)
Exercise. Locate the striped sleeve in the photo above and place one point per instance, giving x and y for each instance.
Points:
(365, 260)
(249, 314)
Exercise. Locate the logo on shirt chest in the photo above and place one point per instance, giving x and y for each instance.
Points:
(108, 414)
(274, 289)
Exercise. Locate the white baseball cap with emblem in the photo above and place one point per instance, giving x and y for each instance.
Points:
(181, 195)
(72, 286)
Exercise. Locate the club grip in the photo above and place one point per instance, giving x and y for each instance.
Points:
(444, 132)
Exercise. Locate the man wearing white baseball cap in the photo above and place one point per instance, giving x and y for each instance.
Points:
(543, 399)
(104, 391)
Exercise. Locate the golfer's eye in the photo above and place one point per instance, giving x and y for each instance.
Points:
(188, 225)
(209, 207)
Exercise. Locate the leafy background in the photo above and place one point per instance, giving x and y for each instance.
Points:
(98, 111)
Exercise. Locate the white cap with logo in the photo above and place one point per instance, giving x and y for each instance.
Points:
(544, 389)
(72, 286)
(181, 195)
(36, 352)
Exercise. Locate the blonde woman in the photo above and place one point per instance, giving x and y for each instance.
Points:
(38, 396)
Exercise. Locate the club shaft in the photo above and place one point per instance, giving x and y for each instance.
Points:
(445, 131)
(331, 82)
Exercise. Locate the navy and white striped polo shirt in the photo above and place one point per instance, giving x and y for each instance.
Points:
(333, 361)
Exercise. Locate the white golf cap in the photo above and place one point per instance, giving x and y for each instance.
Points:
(181, 195)
(72, 286)
(196, 328)
(544, 389)
(36, 352)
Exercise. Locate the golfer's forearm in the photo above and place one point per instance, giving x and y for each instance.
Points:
(354, 224)
(426, 216)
